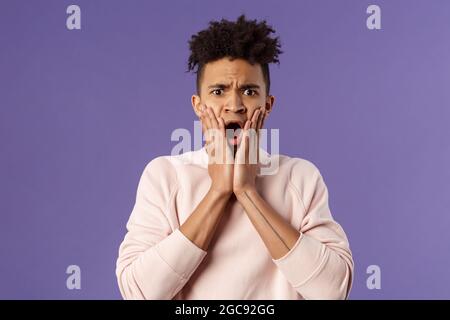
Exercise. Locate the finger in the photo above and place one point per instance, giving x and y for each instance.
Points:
(263, 119)
(247, 125)
(227, 154)
(221, 123)
(251, 144)
(240, 154)
(202, 117)
(214, 122)
(222, 129)
(247, 149)
(221, 140)
(260, 119)
(260, 126)
(208, 118)
(208, 125)
(255, 118)
(213, 118)
(243, 132)
(246, 142)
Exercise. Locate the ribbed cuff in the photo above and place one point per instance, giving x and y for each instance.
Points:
(182, 255)
(303, 261)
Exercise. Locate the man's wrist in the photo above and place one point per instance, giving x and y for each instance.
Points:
(220, 193)
(244, 192)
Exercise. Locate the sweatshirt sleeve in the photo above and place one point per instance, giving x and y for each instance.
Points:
(320, 265)
(155, 260)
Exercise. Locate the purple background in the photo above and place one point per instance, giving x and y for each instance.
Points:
(82, 112)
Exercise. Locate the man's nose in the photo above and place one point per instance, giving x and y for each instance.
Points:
(234, 104)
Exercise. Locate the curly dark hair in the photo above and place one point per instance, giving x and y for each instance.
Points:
(246, 39)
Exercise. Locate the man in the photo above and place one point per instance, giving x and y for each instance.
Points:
(203, 229)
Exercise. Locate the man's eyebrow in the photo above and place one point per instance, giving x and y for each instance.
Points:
(249, 86)
(218, 85)
(224, 86)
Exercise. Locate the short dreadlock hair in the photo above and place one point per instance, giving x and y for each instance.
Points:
(245, 39)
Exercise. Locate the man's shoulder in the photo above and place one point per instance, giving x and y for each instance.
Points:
(297, 166)
(158, 163)
(166, 163)
(298, 172)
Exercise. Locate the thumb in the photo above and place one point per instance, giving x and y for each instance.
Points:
(242, 149)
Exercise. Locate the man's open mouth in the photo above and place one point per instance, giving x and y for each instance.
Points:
(233, 131)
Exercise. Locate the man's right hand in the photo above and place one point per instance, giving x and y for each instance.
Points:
(220, 154)
(200, 226)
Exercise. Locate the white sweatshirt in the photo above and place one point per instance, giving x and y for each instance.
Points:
(156, 261)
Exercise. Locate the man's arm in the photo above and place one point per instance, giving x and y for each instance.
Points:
(278, 235)
(316, 269)
(201, 224)
(155, 261)
(316, 260)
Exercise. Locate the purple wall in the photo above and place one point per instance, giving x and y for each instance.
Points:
(83, 111)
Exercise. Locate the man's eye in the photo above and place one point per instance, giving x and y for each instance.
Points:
(249, 92)
(217, 92)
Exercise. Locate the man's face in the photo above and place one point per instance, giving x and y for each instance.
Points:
(234, 90)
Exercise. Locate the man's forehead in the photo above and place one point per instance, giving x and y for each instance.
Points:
(225, 70)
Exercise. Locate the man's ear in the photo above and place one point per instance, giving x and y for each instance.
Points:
(269, 103)
(196, 104)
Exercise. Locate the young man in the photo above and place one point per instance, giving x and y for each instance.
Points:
(203, 229)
